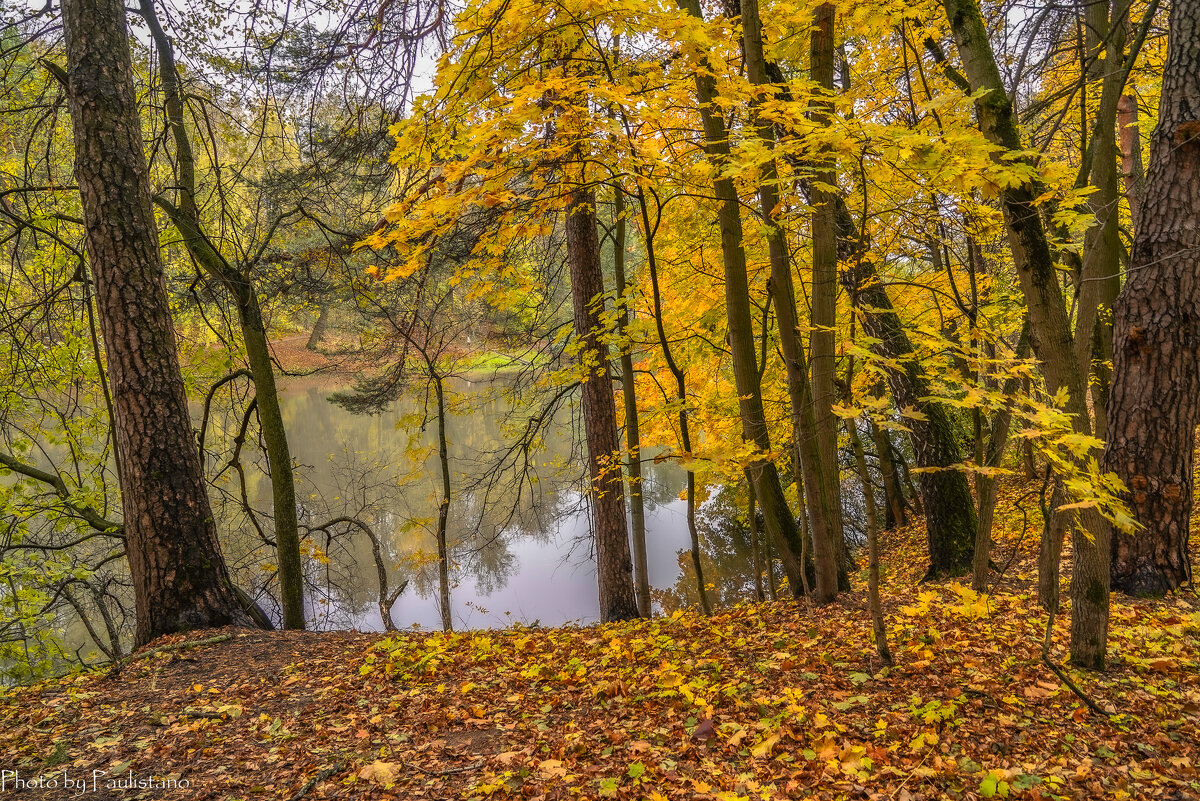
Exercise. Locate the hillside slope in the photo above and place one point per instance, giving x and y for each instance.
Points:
(760, 701)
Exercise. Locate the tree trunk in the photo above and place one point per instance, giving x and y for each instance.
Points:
(186, 218)
(614, 568)
(824, 296)
(896, 514)
(985, 485)
(1054, 532)
(179, 577)
(318, 330)
(1100, 278)
(1132, 170)
(817, 474)
(949, 509)
(443, 504)
(685, 436)
(637, 508)
(1050, 332)
(777, 517)
(755, 548)
(873, 599)
(1156, 389)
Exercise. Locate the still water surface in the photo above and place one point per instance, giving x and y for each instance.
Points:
(521, 550)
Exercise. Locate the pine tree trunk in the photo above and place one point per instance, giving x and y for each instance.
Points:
(1155, 399)
(614, 568)
(179, 577)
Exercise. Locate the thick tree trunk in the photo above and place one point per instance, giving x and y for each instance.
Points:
(818, 475)
(319, 327)
(614, 568)
(179, 576)
(1050, 331)
(633, 440)
(946, 499)
(778, 518)
(1155, 399)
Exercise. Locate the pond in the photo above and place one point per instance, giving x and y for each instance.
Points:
(520, 545)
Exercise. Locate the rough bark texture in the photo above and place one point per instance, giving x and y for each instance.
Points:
(179, 576)
(1050, 330)
(816, 475)
(614, 568)
(777, 517)
(1156, 390)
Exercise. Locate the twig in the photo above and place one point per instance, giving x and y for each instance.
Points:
(912, 773)
(1092, 705)
(448, 771)
(321, 776)
(162, 649)
(185, 646)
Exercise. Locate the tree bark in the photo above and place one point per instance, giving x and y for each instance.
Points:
(1155, 399)
(633, 440)
(1100, 277)
(818, 475)
(897, 513)
(1050, 331)
(823, 315)
(614, 568)
(186, 218)
(179, 577)
(1132, 171)
(318, 329)
(778, 519)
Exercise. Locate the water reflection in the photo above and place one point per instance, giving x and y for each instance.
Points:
(521, 549)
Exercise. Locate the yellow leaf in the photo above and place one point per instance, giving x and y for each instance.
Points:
(379, 772)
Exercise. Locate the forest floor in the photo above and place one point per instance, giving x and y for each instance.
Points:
(761, 701)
